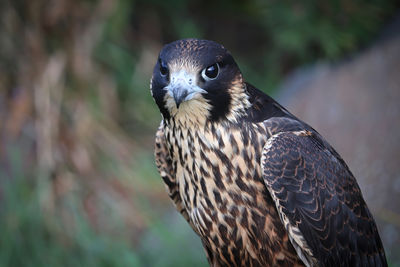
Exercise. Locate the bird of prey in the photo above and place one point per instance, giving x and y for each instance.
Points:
(259, 186)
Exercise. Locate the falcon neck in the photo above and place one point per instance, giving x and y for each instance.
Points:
(199, 113)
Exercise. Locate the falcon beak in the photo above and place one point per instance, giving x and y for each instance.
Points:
(183, 87)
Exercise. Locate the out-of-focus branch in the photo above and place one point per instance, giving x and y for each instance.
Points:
(48, 93)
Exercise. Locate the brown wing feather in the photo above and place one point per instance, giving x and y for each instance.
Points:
(319, 202)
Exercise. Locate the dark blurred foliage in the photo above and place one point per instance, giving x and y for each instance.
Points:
(78, 186)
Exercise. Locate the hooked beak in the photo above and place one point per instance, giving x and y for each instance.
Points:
(183, 87)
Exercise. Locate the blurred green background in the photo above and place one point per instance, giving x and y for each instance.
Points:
(78, 184)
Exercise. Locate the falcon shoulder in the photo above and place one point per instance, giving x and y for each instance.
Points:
(167, 171)
(319, 201)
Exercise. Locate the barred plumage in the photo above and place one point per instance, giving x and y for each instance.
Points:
(259, 186)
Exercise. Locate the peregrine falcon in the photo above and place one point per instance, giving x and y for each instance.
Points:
(259, 186)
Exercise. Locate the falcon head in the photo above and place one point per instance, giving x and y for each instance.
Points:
(198, 80)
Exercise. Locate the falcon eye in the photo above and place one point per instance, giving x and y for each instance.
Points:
(163, 69)
(211, 72)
